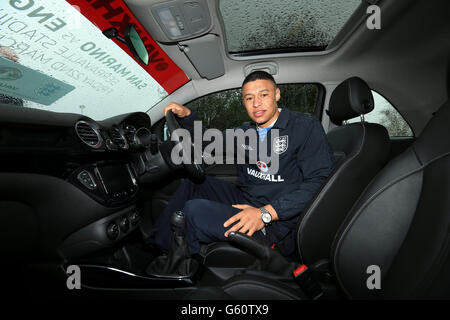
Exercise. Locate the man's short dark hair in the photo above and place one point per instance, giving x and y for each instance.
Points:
(259, 75)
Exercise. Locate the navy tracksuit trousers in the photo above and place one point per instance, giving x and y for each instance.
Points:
(206, 207)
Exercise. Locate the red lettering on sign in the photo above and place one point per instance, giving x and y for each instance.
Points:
(106, 4)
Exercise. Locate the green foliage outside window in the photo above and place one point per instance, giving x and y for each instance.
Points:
(385, 114)
(224, 110)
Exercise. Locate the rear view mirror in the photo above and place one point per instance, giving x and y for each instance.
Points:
(136, 44)
(133, 41)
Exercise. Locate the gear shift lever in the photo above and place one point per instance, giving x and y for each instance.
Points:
(177, 223)
(177, 262)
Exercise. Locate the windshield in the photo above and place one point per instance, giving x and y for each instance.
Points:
(53, 58)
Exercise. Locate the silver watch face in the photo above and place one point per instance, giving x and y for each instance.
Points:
(265, 216)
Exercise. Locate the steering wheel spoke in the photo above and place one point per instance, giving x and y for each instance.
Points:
(194, 169)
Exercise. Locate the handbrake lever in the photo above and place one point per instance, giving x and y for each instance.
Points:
(273, 262)
(250, 245)
(270, 260)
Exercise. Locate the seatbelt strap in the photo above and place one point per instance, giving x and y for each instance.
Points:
(310, 286)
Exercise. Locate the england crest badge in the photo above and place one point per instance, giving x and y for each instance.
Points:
(280, 144)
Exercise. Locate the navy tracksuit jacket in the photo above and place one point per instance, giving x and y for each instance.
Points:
(305, 162)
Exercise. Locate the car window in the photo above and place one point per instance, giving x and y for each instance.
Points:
(224, 109)
(289, 24)
(385, 114)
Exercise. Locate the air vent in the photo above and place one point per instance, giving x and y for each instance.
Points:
(88, 134)
(118, 138)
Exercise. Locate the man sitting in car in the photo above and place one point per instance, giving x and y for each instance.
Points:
(267, 209)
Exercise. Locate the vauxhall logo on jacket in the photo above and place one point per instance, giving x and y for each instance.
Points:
(262, 176)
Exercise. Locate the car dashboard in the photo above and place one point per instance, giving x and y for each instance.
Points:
(77, 179)
(74, 147)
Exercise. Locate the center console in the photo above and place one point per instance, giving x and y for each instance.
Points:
(105, 261)
(111, 184)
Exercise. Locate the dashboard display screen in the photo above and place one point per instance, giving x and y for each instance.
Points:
(116, 178)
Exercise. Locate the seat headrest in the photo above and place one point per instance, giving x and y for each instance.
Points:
(350, 99)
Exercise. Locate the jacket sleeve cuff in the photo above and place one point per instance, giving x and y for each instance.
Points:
(191, 117)
(279, 210)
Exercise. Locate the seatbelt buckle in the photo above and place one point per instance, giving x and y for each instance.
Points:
(310, 286)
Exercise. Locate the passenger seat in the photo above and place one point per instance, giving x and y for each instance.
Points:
(361, 150)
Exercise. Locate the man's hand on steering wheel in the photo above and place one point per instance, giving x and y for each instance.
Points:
(194, 169)
(177, 109)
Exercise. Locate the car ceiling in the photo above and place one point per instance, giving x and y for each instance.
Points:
(406, 60)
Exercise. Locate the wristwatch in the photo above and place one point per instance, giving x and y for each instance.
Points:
(266, 217)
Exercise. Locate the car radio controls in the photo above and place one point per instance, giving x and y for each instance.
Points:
(134, 218)
(124, 224)
(86, 179)
(112, 231)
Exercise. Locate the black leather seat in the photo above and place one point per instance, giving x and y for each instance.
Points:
(400, 224)
(361, 150)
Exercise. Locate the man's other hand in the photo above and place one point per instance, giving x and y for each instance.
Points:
(248, 220)
(179, 110)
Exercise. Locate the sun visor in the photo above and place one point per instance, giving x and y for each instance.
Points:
(205, 56)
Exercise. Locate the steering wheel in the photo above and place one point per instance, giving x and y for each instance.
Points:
(195, 170)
